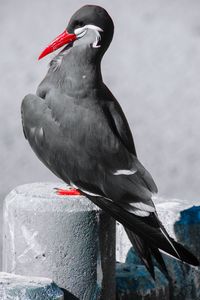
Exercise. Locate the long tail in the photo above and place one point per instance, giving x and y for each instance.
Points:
(145, 252)
(147, 234)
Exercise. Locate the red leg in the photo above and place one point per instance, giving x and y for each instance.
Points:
(69, 192)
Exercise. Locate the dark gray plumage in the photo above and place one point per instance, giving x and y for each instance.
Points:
(78, 130)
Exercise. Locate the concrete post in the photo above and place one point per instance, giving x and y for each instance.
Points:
(15, 287)
(135, 283)
(66, 238)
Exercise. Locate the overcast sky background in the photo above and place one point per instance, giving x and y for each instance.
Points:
(152, 67)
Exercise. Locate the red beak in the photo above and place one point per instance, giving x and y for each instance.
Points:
(61, 40)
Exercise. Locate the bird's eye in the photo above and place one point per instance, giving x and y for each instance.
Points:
(81, 24)
(78, 24)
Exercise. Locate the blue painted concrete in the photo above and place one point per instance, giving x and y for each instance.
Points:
(133, 258)
(190, 216)
(184, 279)
(187, 229)
(134, 282)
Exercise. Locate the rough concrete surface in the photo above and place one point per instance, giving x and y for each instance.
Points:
(16, 287)
(134, 282)
(66, 238)
(184, 280)
(187, 229)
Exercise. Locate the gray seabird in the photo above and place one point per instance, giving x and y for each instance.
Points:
(78, 130)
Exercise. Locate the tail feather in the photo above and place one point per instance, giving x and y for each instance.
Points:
(185, 255)
(182, 253)
(142, 250)
(146, 252)
(152, 235)
(157, 255)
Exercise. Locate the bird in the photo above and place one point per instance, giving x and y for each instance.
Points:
(77, 128)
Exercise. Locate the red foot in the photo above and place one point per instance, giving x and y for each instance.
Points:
(70, 192)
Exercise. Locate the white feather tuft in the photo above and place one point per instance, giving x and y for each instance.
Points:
(80, 32)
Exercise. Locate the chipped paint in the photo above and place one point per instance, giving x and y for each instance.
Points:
(44, 219)
(32, 245)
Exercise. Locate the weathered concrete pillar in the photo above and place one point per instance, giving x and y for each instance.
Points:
(16, 287)
(66, 238)
(134, 282)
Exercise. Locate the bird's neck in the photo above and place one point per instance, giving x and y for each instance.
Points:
(79, 71)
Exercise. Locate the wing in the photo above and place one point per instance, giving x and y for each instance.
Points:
(42, 131)
(79, 140)
(118, 122)
(132, 186)
(121, 129)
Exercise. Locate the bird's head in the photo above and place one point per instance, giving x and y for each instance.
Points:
(91, 25)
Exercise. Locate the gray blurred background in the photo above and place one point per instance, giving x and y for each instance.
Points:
(152, 67)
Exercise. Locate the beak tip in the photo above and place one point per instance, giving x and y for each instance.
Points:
(63, 39)
(39, 57)
(45, 52)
